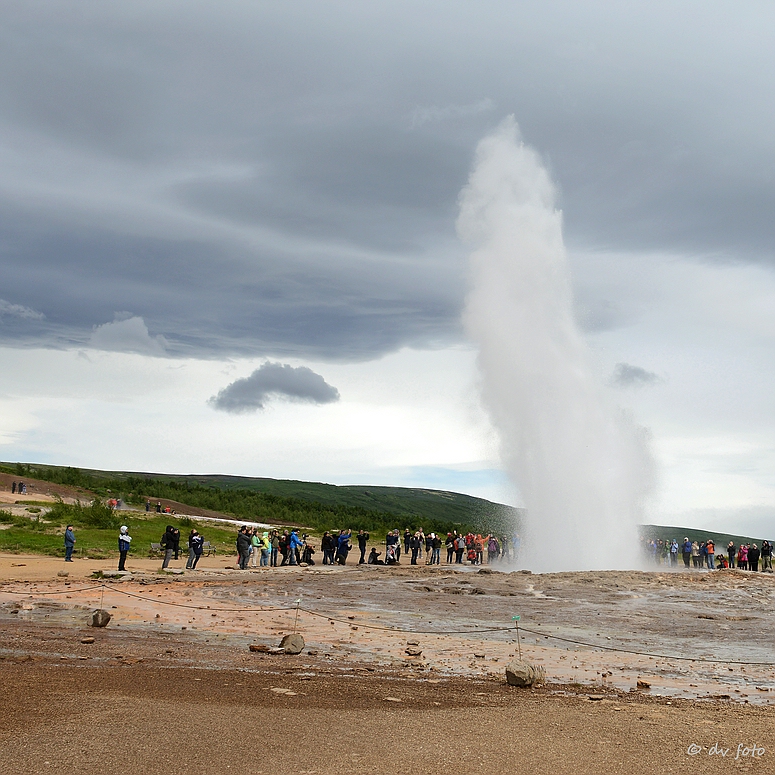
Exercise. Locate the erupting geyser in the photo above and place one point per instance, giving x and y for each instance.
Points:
(581, 466)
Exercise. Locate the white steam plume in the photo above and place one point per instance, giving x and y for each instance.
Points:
(582, 467)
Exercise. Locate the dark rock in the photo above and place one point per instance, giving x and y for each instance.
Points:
(100, 618)
(413, 651)
(293, 644)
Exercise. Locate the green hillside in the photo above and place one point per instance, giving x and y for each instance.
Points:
(312, 504)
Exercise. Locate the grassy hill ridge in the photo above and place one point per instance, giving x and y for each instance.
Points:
(281, 500)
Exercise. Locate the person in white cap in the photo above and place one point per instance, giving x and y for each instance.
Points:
(124, 540)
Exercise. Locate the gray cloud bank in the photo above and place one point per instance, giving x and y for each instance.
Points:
(625, 375)
(268, 179)
(274, 380)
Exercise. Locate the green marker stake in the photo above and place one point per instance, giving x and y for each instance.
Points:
(515, 619)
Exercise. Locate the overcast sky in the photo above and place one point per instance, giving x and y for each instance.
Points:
(191, 191)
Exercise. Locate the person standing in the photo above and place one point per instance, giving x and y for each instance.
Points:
(69, 543)
(731, 552)
(753, 558)
(168, 544)
(711, 547)
(492, 549)
(275, 544)
(255, 548)
(13, 488)
(435, 550)
(243, 547)
(124, 540)
(766, 556)
(414, 547)
(195, 548)
(294, 547)
(191, 561)
(327, 546)
(687, 552)
(363, 539)
(742, 557)
(176, 542)
(450, 544)
(460, 547)
(265, 549)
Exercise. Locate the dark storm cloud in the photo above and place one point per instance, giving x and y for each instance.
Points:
(268, 179)
(625, 375)
(274, 380)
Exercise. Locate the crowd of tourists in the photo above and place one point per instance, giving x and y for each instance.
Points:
(273, 548)
(703, 554)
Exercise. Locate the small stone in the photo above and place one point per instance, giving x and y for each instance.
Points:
(595, 697)
(641, 684)
(63, 573)
(392, 699)
(293, 644)
(523, 674)
(479, 656)
(413, 651)
(259, 648)
(100, 618)
(87, 640)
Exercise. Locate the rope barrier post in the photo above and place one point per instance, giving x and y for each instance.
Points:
(515, 619)
(296, 621)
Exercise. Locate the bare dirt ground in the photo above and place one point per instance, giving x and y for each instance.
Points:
(170, 685)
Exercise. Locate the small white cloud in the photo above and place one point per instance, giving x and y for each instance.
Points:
(19, 311)
(127, 335)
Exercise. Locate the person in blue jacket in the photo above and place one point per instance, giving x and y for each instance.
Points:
(687, 547)
(124, 540)
(69, 543)
(294, 546)
(343, 547)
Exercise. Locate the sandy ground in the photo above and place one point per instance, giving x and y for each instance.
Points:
(174, 665)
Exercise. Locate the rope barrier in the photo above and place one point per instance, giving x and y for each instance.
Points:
(403, 630)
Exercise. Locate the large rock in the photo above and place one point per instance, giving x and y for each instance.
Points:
(524, 674)
(100, 618)
(293, 644)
